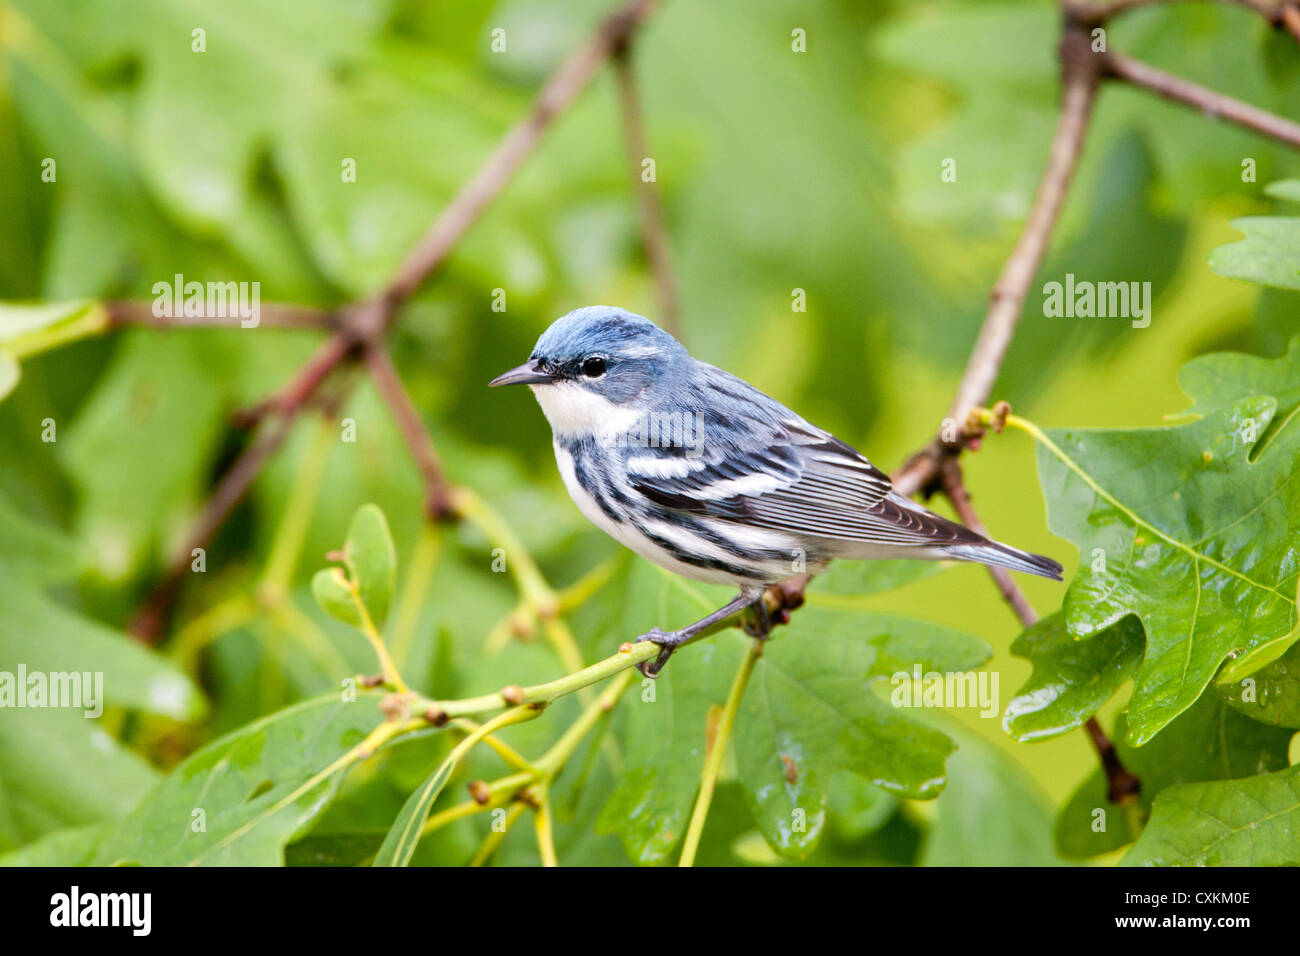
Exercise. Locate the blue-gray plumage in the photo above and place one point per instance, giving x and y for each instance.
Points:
(705, 475)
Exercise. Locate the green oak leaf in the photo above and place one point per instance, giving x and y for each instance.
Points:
(810, 710)
(1271, 695)
(1072, 678)
(1190, 527)
(813, 706)
(258, 787)
(1250, 822)
(371, 559)
(665, 720)
(1209, 741)
(1270, 253)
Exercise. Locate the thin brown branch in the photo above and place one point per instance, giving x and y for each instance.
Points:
(955, 490)
(569, 80)
(279, 314)
(1098, 11)
(1291, 20)
(148, 621)
(653, 232)
(1080, 78)
(361, 325)
(1209, 102)
(1122, 785)
(437, 498)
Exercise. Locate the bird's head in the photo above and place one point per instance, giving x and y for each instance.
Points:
(598, 368)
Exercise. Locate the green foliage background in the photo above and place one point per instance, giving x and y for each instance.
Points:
(778, 171)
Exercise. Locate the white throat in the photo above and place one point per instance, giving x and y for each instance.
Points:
(575, 412)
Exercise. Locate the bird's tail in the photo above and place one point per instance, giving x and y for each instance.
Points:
(1005, 556)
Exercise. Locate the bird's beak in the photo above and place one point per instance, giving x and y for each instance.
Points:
(526, 374)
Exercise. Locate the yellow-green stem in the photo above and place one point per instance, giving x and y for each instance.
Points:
(415, 589)
(494, 837)
(545, 830)
(718, 748)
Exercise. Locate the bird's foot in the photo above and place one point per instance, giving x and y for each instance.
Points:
(668, 642)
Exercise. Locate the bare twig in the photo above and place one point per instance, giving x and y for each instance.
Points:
(1208, 101)
(1291, 20)
(278, 314)
(560, 90)
(1122, 785)
(955, 490)
(653, 232)
(437, 497)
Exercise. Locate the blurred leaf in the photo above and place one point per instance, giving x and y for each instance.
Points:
(372, 561)
(810, 710)
(336, 594)
(47, 637)
(991, 813)
(10, 373)
(1232, 823)
(257, 789)
(1270, 253)
(22, 325)
(1193, 525)
(874, 577)
(58, 770)
(1072, 678)
(75, 846)
(1209, 741)
(33, 549)
(167, 394)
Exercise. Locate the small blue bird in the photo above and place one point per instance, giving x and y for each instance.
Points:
(706, 476)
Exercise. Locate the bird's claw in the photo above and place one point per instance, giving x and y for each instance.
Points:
(667, 641)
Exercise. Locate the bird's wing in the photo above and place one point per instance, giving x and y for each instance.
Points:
(796, 478)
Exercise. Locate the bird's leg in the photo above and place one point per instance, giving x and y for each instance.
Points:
(760, 625)
(669, 641)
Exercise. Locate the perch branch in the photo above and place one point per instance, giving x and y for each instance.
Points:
(437, 495)
(1209, 102)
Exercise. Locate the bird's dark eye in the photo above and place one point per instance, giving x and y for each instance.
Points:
(593, 366)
